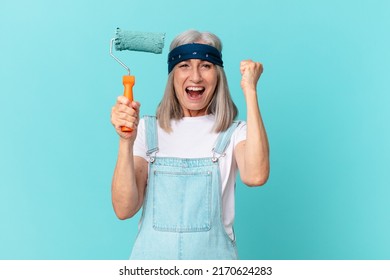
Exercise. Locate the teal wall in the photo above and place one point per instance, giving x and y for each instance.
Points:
(324, 96)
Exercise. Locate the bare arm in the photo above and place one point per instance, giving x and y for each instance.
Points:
(130, 174)
(252, 154)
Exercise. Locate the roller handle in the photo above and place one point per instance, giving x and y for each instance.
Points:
(128, 83)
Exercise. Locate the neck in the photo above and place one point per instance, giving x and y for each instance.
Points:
(194, 113)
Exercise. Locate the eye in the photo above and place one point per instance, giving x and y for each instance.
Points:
(207, 65)
(183, 65)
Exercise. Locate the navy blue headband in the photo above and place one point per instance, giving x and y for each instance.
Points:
(195, 51)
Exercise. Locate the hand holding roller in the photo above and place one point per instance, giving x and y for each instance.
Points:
(135, 41)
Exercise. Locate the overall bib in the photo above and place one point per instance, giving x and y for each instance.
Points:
(182, 212)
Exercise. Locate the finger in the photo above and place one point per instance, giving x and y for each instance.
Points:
(133, 120)
(135, 105)
(245, 61)
(129, 108)
(244, 65)
(114, 115)
(122, 108)
(251, 66)
(116, 122)
(125, 120)
(125, 113)
(242, 68)
(126, 123)
(123, 100)
(259, 67)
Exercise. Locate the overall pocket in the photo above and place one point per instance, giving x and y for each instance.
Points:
(181, 201)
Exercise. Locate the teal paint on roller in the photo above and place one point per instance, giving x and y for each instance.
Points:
(139, 41)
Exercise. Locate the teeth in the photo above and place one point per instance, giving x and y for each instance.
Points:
(195, 88)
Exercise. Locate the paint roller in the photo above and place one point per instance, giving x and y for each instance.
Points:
(135, 41)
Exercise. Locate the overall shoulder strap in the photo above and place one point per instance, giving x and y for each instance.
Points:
(151, 134)
(224, 138)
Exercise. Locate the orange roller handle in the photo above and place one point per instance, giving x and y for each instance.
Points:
(128, 83)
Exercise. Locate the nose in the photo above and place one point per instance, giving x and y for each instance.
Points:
(196, 75)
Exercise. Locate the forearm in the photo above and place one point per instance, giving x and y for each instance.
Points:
(256, 150)
(125, 194)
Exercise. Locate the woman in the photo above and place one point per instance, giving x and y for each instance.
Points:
(181, 166)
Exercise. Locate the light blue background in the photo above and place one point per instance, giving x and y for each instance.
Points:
(324, 97)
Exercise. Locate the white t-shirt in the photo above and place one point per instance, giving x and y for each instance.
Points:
(193, 137)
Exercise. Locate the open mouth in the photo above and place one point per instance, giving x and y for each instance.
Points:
(195, 92)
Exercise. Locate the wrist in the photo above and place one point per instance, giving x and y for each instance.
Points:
(126, 144)
(250, 92)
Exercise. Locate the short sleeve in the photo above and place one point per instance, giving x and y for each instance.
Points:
(139, 148)
(240, 133)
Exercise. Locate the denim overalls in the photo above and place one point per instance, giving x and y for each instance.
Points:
(182, 211)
